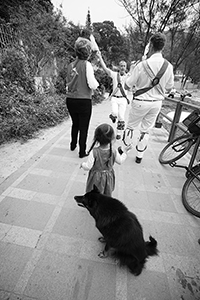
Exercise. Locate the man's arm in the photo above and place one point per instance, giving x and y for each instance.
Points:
(91, 80)
(103, 65)
(170, 84)
(132, 79)
(126, 87)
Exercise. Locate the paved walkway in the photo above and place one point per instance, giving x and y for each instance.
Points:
(49, 246)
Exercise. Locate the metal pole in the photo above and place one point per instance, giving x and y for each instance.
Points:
(176, 118)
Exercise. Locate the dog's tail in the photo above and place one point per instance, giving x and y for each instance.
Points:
(151, 246)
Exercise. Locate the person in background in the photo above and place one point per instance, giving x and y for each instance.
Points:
(119, 99)
(146, 106)
(80, 84)
(102, 156)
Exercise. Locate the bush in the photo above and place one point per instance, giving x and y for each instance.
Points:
(22, 111)
(103, 79)
(15, 69)
(97, 97)
(22, 115)
(60, 84)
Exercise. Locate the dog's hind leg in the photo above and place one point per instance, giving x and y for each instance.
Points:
(101, 239)
(104, 253)
(107, 247)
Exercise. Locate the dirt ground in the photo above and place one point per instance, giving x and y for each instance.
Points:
(13, 155)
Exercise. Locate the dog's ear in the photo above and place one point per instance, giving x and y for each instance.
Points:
(95, 189)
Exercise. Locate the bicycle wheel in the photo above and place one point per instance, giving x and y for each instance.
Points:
(191, 194)
(176, 149)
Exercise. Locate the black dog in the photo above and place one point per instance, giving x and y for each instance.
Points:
(121, 230)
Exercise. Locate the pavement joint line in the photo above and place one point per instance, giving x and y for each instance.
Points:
(121, 284)
(41, 172)
(176, 191)
(20, 236)
(60, 138)
(2, 197)
(121, 274)
(159, 166)
(22, 194)
(20, 178)
(27, 272)
(29, 164)
(8, 191)
(30, 266)
(28, 171)
(120, 184)
(63, 158)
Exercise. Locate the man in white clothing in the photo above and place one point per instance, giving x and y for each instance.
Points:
(119, 98)
(146, 106)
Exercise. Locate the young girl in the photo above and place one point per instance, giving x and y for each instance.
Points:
(101, 159)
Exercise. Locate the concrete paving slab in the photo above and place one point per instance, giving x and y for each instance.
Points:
(13, 259)
(49, 246)
(61, 276)
(43, 184)
(155, 286)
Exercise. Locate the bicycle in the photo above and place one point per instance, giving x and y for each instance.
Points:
(176, 149)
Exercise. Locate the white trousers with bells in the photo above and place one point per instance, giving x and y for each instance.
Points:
(118, 110)
(142, 114)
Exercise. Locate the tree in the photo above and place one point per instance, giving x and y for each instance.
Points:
(111, 43)
(150, 15)
(88, 23)
(179, 19)
(9, 7)
(191, 63)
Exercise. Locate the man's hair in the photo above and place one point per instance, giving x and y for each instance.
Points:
(158, 41)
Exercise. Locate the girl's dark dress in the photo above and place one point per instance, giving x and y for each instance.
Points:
(102, 173)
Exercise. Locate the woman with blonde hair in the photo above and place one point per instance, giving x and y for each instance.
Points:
(80, 84)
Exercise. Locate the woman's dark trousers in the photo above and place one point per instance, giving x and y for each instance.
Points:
(80, 111)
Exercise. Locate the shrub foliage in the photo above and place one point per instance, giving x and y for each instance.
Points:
(22, 114)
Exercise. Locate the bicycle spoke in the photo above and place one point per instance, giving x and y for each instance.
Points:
(179, 147)
(176, 149)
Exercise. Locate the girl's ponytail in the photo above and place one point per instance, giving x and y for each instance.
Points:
(110, 155)
(92, 146)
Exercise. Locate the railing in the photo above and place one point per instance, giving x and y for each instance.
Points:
(175, 122)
